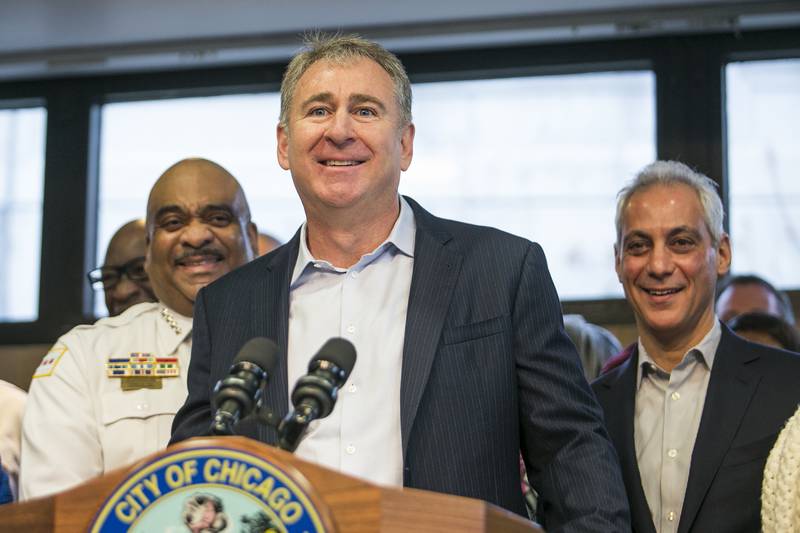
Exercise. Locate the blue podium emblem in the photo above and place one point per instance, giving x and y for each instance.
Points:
(211, 490)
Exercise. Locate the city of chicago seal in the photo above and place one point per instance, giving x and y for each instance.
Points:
(209, 489)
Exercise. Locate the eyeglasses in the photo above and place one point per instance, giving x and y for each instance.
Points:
(106, 277)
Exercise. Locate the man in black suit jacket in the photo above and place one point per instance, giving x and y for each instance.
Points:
(485, 368)
(694, 411)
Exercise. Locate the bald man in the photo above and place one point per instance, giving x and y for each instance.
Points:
(122, 277)
(748, 293)
(266, 243)
(86, 413)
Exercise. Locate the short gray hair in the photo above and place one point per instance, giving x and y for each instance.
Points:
(343, 49)
(672, 173)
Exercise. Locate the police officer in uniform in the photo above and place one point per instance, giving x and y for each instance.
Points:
(105, 395)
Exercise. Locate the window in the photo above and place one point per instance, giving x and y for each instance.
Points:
(541, 157)
(764, 183)
(140, 140)
(22, 143)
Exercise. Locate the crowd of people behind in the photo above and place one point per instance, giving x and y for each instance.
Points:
(673, 435)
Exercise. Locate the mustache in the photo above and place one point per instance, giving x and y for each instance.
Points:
(205, 251)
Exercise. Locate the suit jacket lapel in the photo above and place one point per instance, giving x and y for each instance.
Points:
(730, 389)
(436, 270)
(271, 319)
(622, 397)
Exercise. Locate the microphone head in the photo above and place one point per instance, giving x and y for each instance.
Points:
(338, 351)
(260, 351)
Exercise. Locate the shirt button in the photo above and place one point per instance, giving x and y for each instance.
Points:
(351, 328)
(671, 516)
(352, 387)
(673, 453)
(676, 396)
(350, 449)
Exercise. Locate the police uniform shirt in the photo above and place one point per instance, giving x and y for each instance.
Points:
(80, 422)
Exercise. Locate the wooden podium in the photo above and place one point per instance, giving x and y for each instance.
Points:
(337, 502)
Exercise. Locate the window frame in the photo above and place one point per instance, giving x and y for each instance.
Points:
(690, 126)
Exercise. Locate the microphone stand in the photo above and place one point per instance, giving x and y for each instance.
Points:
(292, 428)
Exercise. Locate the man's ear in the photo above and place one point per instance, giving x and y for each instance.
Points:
(283, 147)
(617, 263)
(406, 146)
(252, 234)
(724, 255)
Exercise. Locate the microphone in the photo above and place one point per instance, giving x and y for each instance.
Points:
(236, 395)
(315, 394)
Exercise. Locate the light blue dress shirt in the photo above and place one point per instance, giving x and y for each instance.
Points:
(366, 304)
(667, 415)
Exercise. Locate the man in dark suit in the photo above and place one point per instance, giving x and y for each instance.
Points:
(462, 356)
(694, 411)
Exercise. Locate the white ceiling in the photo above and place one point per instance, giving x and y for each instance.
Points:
(50, 37)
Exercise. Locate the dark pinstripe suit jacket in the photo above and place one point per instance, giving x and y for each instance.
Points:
(487, 371)
(752, 391)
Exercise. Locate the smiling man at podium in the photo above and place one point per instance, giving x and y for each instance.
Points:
(462, 356)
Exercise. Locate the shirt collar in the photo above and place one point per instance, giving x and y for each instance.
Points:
(173, 328)
(402, 238)
(703, 352)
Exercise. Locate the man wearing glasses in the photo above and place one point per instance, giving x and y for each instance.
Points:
(105, 395)
(122, 277)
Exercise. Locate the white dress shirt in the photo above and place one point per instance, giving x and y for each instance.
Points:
(367, 305)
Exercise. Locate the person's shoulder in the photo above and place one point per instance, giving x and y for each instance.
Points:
(614, 368)
(85, 347)
(11, 394)
(747, 350)
(777, 369)
(775, 359)
(604, 380)
(459, 229)
(471, 236)
(619, 359)
(594, 336)
(87, 337)
(110, 324)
